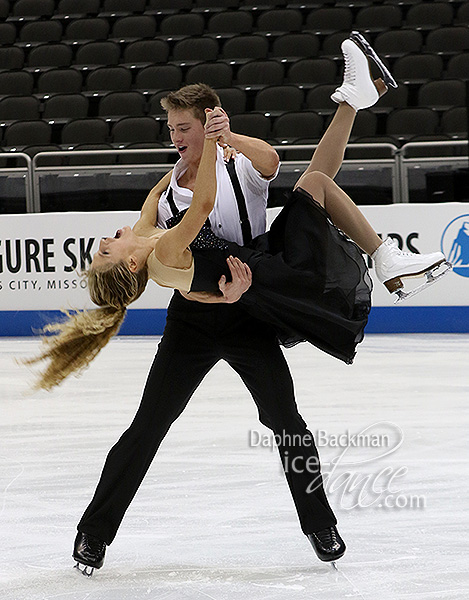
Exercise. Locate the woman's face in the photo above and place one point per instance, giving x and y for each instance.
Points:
(115, 249)
(187, 134)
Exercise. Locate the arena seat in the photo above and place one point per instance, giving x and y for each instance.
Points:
(123, 6)
(378, 18)
(19, 108)
(252, 124)
(279, 98)
(119, 104)
(195, 49)
(448, 40)
(182, 25)
(295, 45)
(396, 43)
(454, 122)
(319, 98)
(233, 100)
(134, 27)
(19, 83)
(11, 58)
(280, 20)
(408, 122)
(294, 125)
(418, 68)
(230, 22)
(7, 33)
(85, 131)
(77, 8)
(158, 77)
(93, 29)
(429, 15)
(311, 71)
(442, 94)
(4, 9)
(98, 53)
(65, 107)
(213, 74)
(50, 55)
(26, 133)
(60, 81)
(331, 44)
(135, 129)
(146, 51)
(329, 20)
(40, 31)
(109, 79)
(458, 67)
(462, 15)
(33, 8)
(261, 72)
(244, 47)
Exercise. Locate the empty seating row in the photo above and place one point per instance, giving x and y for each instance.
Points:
(272, 100)
(424, 15)
(400, 124)
(445, 42)
(322, 21)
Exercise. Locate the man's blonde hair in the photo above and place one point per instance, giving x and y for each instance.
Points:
(196, 97)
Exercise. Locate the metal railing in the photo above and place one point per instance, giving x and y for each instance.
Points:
(26, 171)
(399, 163)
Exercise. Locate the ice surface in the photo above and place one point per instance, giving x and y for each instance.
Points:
(214, 517)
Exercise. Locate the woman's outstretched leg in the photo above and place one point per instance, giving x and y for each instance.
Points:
(391, 263)
(329, 154)
(343, 211)
(357, 91)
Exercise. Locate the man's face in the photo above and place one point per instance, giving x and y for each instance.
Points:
(187, 135)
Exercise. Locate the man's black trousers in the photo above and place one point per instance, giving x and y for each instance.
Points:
(195, 338)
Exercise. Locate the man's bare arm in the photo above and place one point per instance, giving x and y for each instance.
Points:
(261, 154)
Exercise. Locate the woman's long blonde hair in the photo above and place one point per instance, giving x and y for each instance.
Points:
(78, 339)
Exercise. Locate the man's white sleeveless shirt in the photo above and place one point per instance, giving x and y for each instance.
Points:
(224, 218)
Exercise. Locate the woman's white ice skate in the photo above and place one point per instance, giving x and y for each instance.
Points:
(393, 265)
(358, 89)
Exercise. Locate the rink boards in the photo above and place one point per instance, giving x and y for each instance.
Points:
(42, 257)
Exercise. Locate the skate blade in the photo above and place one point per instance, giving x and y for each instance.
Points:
(363, 44)
(84, 569)
(432, 276)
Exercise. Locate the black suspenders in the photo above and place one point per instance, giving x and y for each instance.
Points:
(243, 213)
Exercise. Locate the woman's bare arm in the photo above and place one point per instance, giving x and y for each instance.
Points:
(173, 245)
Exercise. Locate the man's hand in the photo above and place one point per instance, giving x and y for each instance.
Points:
(217, 126)
(241, 280)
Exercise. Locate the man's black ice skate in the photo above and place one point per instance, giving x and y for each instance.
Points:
(327, 544)
(89, 552)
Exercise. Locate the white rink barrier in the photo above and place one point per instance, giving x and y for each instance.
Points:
(42, 257)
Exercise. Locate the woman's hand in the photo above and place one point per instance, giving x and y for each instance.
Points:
(217, 125)
(241, 280)
(228, 152)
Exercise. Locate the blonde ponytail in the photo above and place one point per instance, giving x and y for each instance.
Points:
(79, 339)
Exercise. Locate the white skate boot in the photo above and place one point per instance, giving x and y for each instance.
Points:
(392, 265)
(358, 88)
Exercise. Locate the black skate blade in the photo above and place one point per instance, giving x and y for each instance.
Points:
(84, 569)
(431, 277)
(365, 47)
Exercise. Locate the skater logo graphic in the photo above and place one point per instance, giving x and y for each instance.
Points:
(455, 244)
